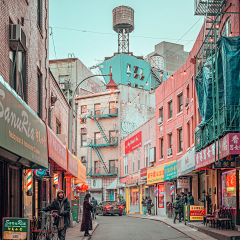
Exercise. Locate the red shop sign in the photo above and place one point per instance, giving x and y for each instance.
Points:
(133, 143)
(56, 150)
(143, 173)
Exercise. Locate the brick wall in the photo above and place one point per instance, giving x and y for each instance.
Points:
(37, 46)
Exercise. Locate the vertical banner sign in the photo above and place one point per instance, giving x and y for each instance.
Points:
(133, 143)
(155, 191)
(161, 196)
(55, 178)
(29, 180)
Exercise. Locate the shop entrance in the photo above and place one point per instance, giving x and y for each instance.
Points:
(134, 199)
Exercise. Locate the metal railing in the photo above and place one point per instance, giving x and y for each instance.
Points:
(99, 171)
(113, 141)
(229, 116)
(102, 112)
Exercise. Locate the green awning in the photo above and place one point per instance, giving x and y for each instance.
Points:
(170, 171)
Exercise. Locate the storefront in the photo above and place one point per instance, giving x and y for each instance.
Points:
(23, 145)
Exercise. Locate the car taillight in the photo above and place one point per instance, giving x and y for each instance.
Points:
(107, 207)
(121, 207)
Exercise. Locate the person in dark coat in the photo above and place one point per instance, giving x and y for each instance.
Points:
(94, 203)
(144, 205)
(178, 209)
(190, 199)
(123, 203)
(62, 205)
(86, 216)
(149, 206)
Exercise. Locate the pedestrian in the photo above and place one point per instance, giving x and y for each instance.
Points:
(123, 203)
(190, 199)
(86, 216)
(144, 206)
(62, 206)
(183, 202)
(149, 206)
(206, 201)
(177, 209)
(94, 203)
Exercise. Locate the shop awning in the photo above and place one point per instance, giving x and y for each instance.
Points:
(81, 177)
(113, 185)
(72, 164)
(22, 132)
(56, 150)
(170, 171)
(186, 163)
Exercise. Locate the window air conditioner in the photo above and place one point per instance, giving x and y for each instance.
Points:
(186, 102)
(169, 151)
(17, 37)
(160, 120)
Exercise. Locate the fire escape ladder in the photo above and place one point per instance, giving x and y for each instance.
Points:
(101, 130)
(157, 78)
(100, 159)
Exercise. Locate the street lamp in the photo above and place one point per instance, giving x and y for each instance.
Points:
(111, 86)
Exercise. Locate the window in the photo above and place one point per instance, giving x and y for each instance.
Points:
(128, 70)
(58, 127)
(83, 159)
(83, 137)
(188, 91)
(132, 161)
(147, 157)
(170, 140)
(162, 148)
(138, 159)
(135, 72)
(17, 70)
(180, 137)
(170, 109)
(83, 114)
(111, 166)
(161, 113)
(97, 109)
(39, 96)
(129, 84)
(112, 107)
(141, 74)
(188, 129)
(112, 137)
(126, 165)
(97, 167)
(192, 129)
(226, 30)
(39, 13)
(180, 103)
(97, 138)
(199, 117)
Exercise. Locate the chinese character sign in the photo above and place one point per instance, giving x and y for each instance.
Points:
(133, 143)
(155, 175)
(183, 183)
(196, 213)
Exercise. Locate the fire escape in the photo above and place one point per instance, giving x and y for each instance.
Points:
(219, 21)
(104, 141)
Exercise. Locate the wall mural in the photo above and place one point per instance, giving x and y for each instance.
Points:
(128, 127)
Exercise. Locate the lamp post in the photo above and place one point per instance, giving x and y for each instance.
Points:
(111, 86)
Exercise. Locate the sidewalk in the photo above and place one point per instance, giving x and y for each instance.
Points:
(74, 233)
(181, 227)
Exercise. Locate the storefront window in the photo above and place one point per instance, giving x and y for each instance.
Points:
(229, 189)
(202, 185)
(161, 196)
(134, 196)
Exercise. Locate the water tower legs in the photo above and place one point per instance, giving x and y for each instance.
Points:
(123, 40)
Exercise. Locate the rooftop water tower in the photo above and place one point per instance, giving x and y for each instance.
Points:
(123, 24)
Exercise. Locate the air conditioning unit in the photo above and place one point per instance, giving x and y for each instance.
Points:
(169, 151)
(181, 108)
(186, 102)
(160, 120)
(17, 37)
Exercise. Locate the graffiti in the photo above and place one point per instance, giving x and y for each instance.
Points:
(128, 127)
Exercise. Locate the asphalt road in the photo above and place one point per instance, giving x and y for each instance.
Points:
(118, 228)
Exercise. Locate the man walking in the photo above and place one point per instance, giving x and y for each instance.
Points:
(149, 206)
(178, 210)
(86, 216)
(94, 203)
(62, 205)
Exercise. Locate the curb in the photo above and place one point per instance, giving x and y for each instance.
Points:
(94, 228)
(164, 223)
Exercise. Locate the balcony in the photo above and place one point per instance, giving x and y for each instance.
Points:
(99, 171)
(101, 142)
(201, 7)
(229, 121)
(102, 113)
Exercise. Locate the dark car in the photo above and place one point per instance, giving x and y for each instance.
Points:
(109, 207)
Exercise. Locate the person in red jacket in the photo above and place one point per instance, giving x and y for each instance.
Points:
(86, 216)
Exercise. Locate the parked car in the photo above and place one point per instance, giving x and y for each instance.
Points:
(109, 207)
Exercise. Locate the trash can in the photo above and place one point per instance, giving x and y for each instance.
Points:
(74, 210)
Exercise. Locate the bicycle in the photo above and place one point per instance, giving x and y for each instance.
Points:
(48, 232)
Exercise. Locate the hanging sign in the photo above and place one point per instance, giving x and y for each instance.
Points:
(133, 143)
(183, 183)
(143, 173)
(227, 162)
(16, 228)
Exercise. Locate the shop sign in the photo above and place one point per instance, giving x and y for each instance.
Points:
(170, 171)
(56, 150)
(186, 163)
(183, 183)
(133, 143)
(14, 228)
(155, 175)
(72, 164)
(143, 173)
(81, 172)
(227, 162)
(123, 180)
(196, 213)
(133, 179)
(228, 145)
(22, 131)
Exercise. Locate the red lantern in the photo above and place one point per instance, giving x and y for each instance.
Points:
(84, 187)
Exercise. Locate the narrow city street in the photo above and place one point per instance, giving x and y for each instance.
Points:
(118, 228)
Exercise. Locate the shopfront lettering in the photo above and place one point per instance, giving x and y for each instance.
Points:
(10, 117)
